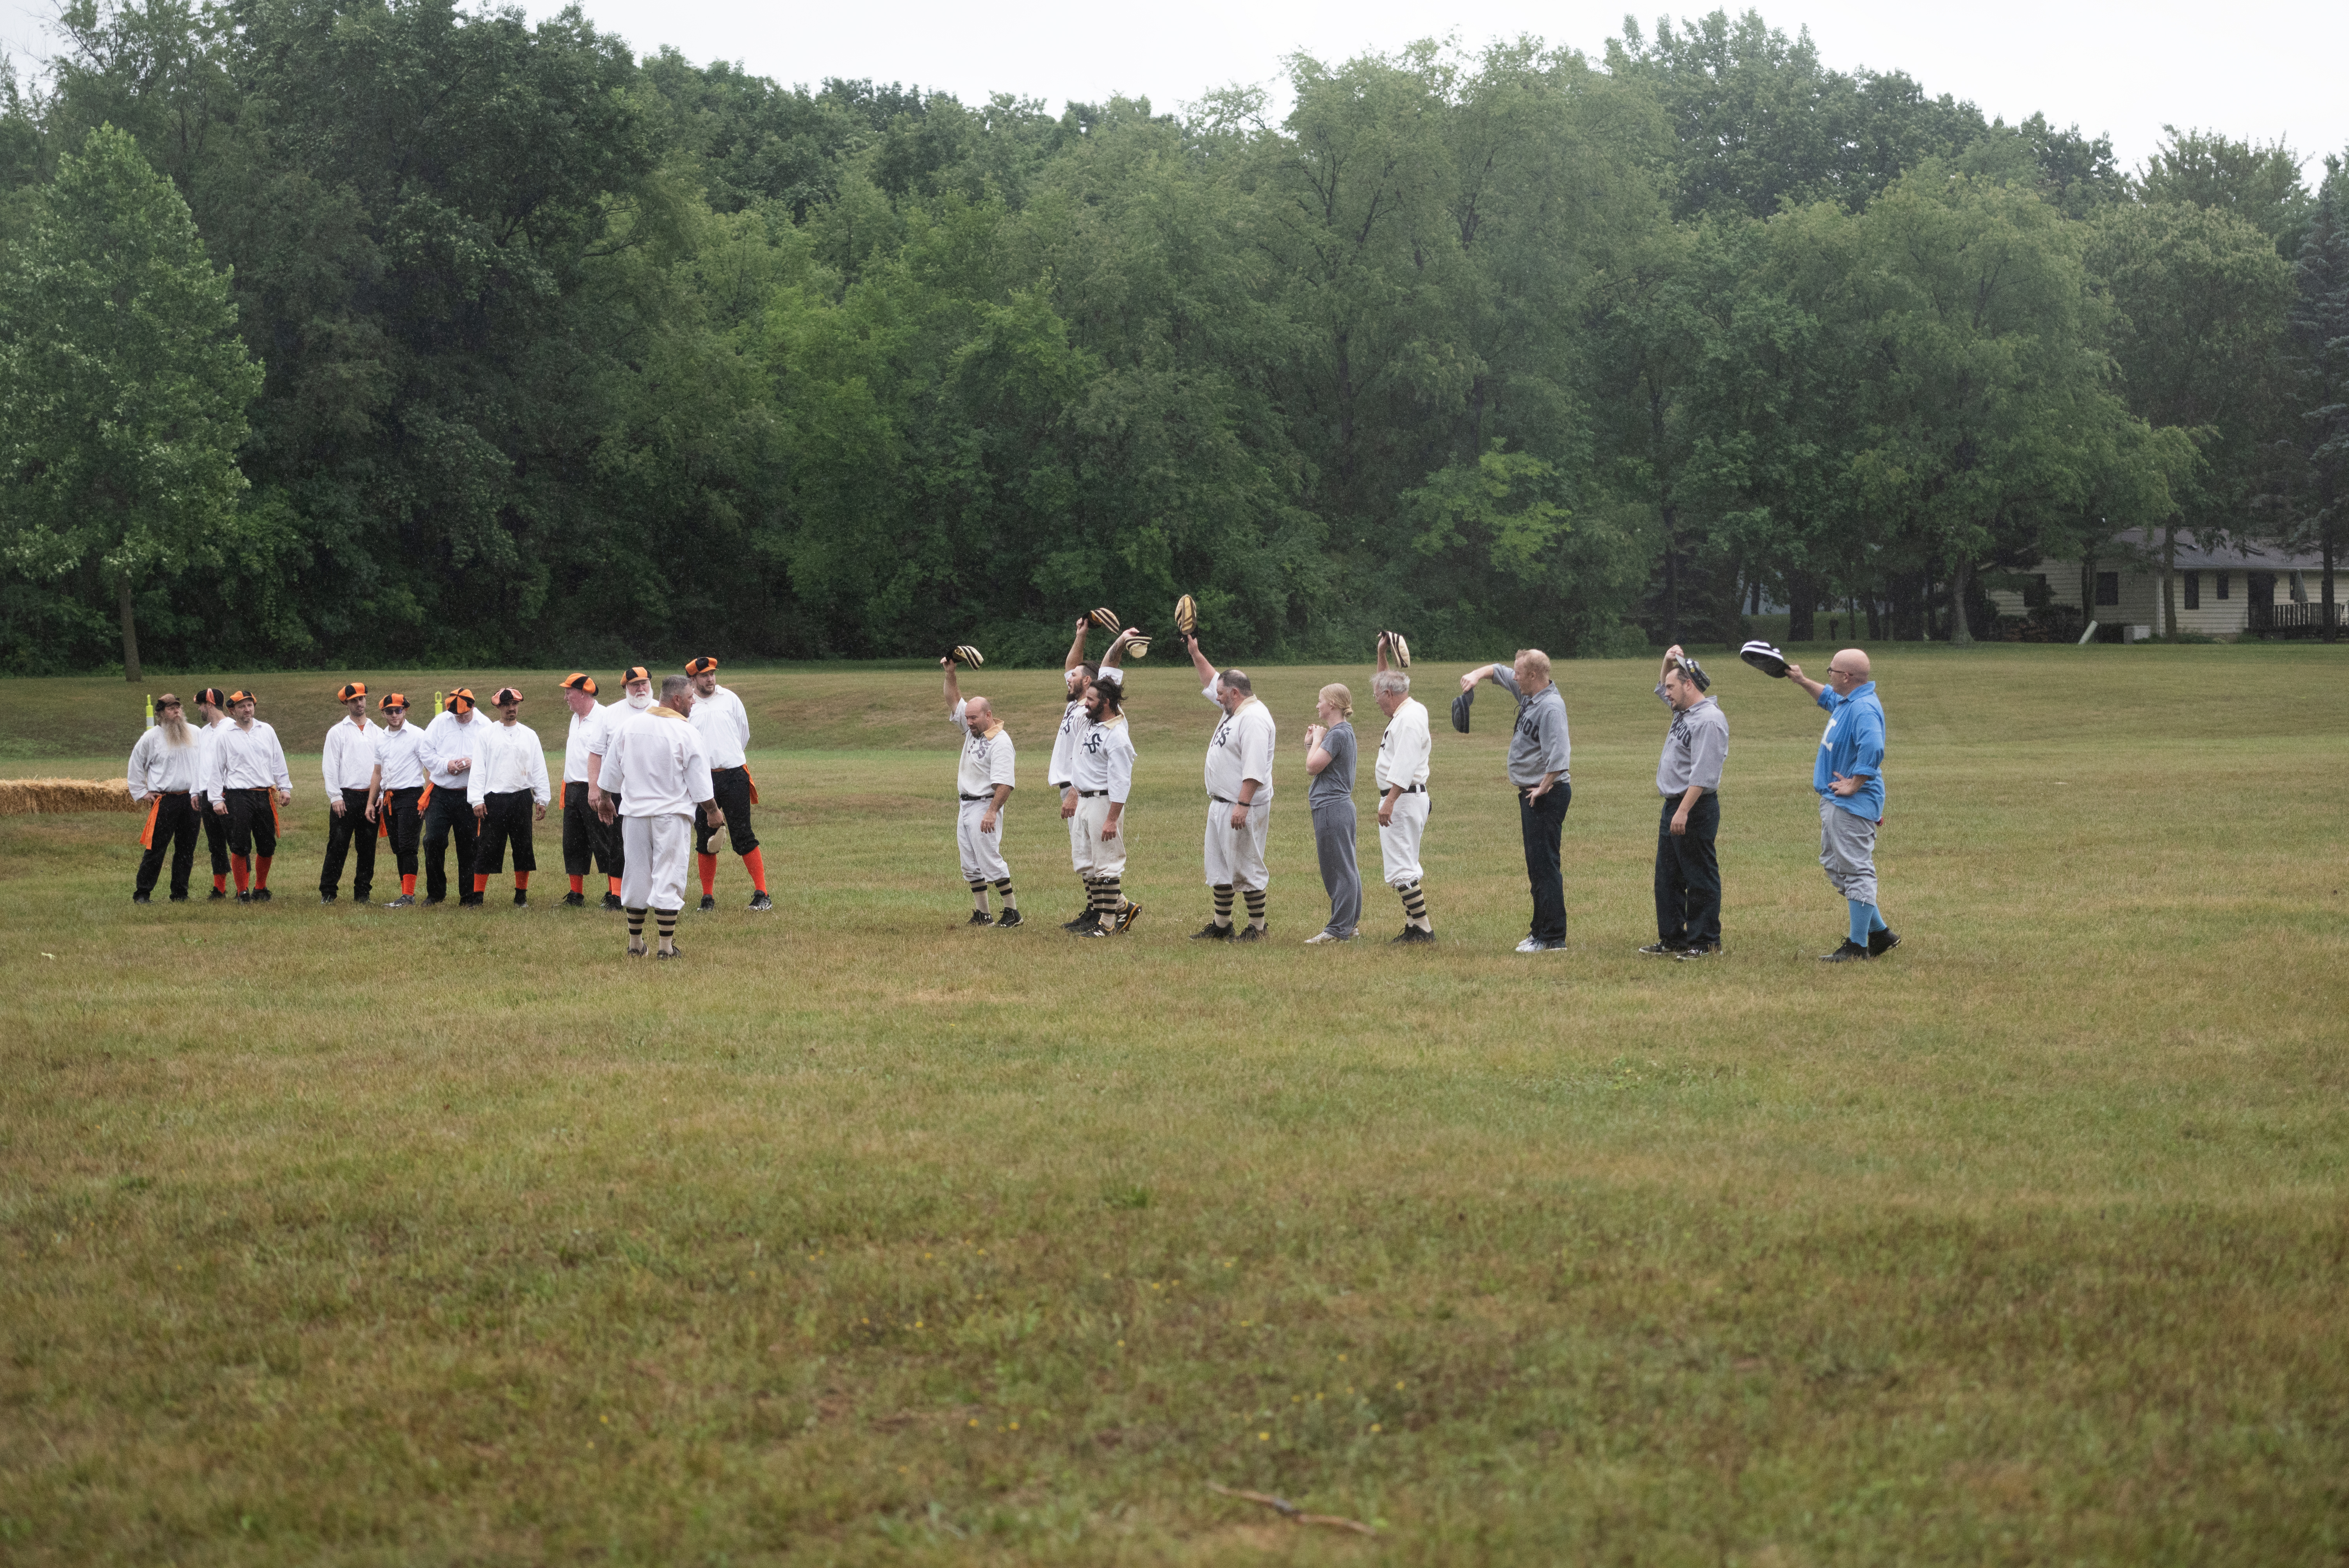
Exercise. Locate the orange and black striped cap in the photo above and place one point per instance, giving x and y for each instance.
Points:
(214, 695)
(240, 694)
(506, 694)
(635, 673)
(579, 681)
(393, 699)
(350, 689)
(704, 665)
(460, 699)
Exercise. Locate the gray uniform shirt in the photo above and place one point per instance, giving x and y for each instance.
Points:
(1539, 745)
(1335, 782)
(1695, 750)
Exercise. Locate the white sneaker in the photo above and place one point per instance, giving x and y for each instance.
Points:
(1318, 938)
(1533, 944)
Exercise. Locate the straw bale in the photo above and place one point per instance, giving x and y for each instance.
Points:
(22, 797)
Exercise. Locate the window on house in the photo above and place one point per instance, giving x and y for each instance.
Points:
(2220, 580)
(2194, 590)
(2108, 587)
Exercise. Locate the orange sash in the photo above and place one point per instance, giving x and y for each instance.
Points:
(147, 834)
(752, 783)
(274, 825)
(424, 799)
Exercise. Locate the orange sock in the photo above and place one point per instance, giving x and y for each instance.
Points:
(579, 884)
(615, 885)
(220, 883)
(260, 869)
(481, 882)
(709, 876)
(521, 880)
(243, 875)
(756, 864)
(407, 884)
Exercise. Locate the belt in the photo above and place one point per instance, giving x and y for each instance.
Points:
(970, 798)
(1090, 794)
(1414, 789)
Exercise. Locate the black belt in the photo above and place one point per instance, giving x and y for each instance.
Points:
(1090, 794)
(1221, 801)
(970, 798)
(1414, 789)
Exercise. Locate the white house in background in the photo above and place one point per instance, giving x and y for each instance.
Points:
(2220, 592)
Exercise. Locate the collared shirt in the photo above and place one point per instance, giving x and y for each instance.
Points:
(987, 760)
(1405, 748)
(160, 768)
(247, 759)
(207, 742)
(1540, 743)
(581, 742)
(724, 727)
(1241, 749)
(1061, 771)
(655, 764)
(1695, 749)
(347, 761)
(1335, 782)
(446, 739)
(1103, 759)
(1853, 745)
(400, 754)
(508, 759)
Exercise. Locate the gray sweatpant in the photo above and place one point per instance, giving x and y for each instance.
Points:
(1848, 851)
(1333, 842)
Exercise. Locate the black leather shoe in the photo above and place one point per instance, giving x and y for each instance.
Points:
(1414, 933)
(760, 899)
(179, 898)
(522, 898)
(325, 898)
(612, 900)
(261, 896)
(574, 901)
(1249, 933)
(709, 906)
(1212, 933)
(1880, 943)
(217, 893)
(1849, 952)
(141, 898)
(245, 898)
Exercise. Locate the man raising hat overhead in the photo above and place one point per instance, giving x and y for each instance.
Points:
(248, 783)
(507, 789)
(395, 786)
(1405, 752)
(1849, 777)
(165, 769)
(984, 780)
(719, 718)
(211, 714)
(448, 750)
(586, 841)
(347, 761)
(1541, 755)
(658, 776)
(1240, 797)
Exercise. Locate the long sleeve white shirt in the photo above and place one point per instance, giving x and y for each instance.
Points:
(724, 726)
(987, 760)
(1241, 749)
(1061, 771)
(655, 764)
(582, 741)
(1103, 759)
(506, 759)
(247, 758)
(1405, 747)
(347, 759)
(159, 767)
(207, 742)
(446, 739)
(400, 754)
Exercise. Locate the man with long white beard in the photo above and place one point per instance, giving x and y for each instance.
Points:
(587, 844)
(660, 777)
(165, 769)
(636, 698)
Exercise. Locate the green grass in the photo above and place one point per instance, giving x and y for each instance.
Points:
(336, 1235)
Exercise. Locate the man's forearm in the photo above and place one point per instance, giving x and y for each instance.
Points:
(1002, 794)
(1689, 800)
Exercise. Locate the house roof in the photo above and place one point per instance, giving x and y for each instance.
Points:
(2192, 557)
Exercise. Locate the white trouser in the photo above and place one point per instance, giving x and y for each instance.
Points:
(1094, 855)
(1399, 840)
(1236, 856)
(982, 853)
(1848, 851)
(653, 855)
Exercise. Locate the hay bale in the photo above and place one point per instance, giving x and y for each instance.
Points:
(24, 797)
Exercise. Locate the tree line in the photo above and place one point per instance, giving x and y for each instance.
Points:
(383, 331)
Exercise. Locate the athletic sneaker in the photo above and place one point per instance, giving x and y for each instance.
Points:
(1701, 950)
(1541, 945)
(1098, 931)
(1880, 943)
(1249, 933)
(979, 917)
(708, 903)
(574, 901)
(405, 901)
(1319, 937)
(1416, 934)
(243, 897)
(1010, 917)
(760, 899)
(1211, 931)
(1084, 924)
(671, 952)
(1660, 950)
(1127, 916)
(1848, 953)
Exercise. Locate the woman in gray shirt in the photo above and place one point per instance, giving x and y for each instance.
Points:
(1330, 758)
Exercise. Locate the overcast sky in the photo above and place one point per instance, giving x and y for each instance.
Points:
(2258, 68)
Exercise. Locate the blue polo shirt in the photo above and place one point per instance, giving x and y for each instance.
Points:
(1853, 744)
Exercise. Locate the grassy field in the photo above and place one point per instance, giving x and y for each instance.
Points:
(347, 1236)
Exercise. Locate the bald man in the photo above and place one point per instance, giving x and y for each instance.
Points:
(1849, 780)
(984, 778)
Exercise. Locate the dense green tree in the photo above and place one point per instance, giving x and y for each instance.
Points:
(2316, 435)
(122, 385)
(2259, 183)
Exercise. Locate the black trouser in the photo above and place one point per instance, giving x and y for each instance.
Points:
(1543, 822)
(730, 787)
(252, 822)
(173, 831)
(588, 842)
(216, 835)
(505, 816)
(403, 825)
(449, 813)
(1688, 875)
(344, 833)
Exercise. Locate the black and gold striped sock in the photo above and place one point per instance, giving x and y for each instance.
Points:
(1223, 903)
(978, 896)
(1415, 905)
(635, 928)
(668, 919)
(1003, 891)
(1112, 897)
(1255, 896)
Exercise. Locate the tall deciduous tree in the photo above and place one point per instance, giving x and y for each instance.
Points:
(2318, 438)
(123, 386)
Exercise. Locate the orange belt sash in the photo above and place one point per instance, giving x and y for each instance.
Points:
(147, 834)
(752, 783)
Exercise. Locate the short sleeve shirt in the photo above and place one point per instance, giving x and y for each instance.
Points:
(1335, 782)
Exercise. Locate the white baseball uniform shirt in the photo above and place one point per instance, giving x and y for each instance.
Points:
(400, 754)
(160, 768)
(508, 759)
(246, 758)
(347, 759)
(724, 726)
